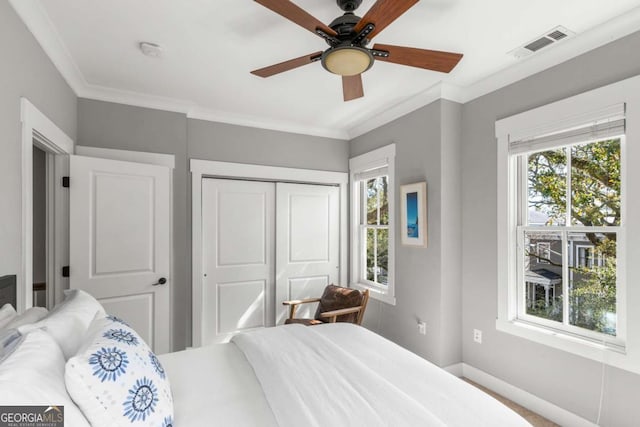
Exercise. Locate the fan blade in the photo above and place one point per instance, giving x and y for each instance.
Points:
(294, 13)
(421, 58)
(352, 87)
(383, 13)
(287, 65)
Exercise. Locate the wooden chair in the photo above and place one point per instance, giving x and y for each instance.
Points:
(337, 304)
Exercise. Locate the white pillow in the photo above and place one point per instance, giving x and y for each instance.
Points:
(34, 375)
(67, 323)
(117, 380)
(7, 313)
(31, 315)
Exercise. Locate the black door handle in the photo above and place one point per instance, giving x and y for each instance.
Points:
(161, 281)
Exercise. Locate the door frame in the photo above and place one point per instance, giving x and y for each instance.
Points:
(213, 169)
(39, 130)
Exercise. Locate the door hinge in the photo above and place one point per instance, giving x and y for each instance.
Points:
(65, 181)
(65, 271)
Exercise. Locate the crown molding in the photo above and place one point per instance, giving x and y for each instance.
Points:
(136, 99)
(262, 123)
(40, 25)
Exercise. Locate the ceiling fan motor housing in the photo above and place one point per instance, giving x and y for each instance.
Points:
(349, 5)
(343, 25)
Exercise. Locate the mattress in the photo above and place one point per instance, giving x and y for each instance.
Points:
(333, 374)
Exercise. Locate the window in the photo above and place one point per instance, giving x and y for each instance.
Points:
(372, 203)
(576, 188)
(566, 217)
(543, 252)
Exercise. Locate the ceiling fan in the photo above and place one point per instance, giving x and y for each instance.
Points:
(348, 37)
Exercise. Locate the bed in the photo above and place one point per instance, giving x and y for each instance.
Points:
(334, 374)
(339, 374)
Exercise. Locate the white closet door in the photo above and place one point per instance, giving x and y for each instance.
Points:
(238, 238)
(307, 244)
(120, 241)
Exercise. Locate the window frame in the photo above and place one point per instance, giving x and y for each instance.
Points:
(570, 113)
(380, 158)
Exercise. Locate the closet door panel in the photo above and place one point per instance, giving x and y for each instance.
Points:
(238, 248)
(307, 243)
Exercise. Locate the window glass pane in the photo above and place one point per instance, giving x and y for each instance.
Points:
(384, 200)
(371, 254)
(377, 201)
(592, 285)
(543, 274)
(383, 256)
(372, 201)
(547, 187)
(595, 183)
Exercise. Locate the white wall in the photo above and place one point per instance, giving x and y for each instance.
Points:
(25, 70)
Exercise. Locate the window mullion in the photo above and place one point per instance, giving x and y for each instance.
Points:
(378, 201)
(568, 191)
(565, 278)
(375, 255)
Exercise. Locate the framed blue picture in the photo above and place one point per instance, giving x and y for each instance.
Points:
(414, 214)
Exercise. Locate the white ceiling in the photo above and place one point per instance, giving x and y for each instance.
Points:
(209, 48)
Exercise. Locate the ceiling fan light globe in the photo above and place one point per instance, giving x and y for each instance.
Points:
(347, 61)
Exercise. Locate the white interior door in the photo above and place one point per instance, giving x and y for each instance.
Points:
(238, 239)
(120, 224)
(307, 244)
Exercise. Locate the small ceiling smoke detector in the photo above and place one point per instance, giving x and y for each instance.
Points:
(550, 37)
(151, 49)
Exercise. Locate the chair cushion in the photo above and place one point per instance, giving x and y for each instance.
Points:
(336, 298)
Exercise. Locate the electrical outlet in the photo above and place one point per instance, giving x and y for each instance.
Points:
(477, 336)
(422, 328)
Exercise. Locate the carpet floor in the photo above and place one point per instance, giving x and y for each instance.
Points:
(534, 419)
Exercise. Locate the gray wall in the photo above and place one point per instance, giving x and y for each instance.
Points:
(108, 125)
(427, 280)
(568, 381)
(25, 71)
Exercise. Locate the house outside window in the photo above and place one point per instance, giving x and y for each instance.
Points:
(372, 219)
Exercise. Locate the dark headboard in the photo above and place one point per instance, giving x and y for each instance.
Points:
(8, 290)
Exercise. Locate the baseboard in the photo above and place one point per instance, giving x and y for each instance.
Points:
(521, 397)
(455, 369)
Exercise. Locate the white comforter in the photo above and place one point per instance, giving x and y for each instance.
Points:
(310, 381)
(328, 375)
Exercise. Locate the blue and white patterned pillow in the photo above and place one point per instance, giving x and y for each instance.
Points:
(117, 380)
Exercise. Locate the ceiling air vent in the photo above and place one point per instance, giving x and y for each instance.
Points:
(550, 37)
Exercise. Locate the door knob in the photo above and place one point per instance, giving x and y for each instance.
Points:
(161, 281)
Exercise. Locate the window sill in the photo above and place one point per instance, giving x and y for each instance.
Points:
(575, 345)
(376, 293)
